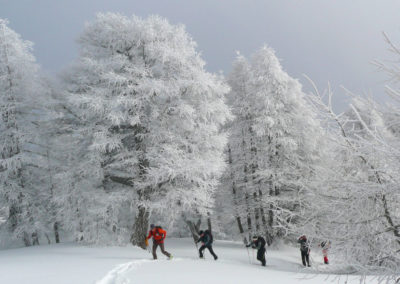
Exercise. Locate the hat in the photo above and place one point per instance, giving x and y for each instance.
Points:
(201, 232)
(152, 226)
(255, 237)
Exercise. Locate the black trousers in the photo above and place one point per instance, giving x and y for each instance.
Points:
(261, 256)
(305, 257)
(203, 247)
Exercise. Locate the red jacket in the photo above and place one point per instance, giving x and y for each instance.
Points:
(158, 235)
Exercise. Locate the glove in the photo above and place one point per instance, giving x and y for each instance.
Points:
(146, 242)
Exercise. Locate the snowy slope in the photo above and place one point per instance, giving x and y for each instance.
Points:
(73, 264)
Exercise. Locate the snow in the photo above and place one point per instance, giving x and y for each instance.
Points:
(72, 263)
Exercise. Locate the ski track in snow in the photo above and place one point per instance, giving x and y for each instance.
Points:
(71, 263)
(116, 276)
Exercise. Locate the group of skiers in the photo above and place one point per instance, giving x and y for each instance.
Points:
(159, 234)
(258, 242)
(305, 248)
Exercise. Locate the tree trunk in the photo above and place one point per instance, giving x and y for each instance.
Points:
(248, 211)
(240, 226)
(48, 239)
(249, 225)
(254, 167)
(209, 223)
(35, 239)
(27, 240)
(141, 224)
(256, 213)
(270, 236)
(52, 205)
(13, 217)
(194, 230)
(140, 228)
(56, 233)
(245, 184)
(235, 203)
(80, 231)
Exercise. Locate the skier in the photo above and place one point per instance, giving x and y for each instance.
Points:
(325, 245)
(207, 239)
(158, 235)
(258, 243)
(305, 250)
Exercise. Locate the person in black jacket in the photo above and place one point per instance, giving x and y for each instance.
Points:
(207, 239)
(258, 243)
(305, 250)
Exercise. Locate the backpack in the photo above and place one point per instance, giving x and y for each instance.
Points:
(157, 234)
(304, 245)
(262, 240)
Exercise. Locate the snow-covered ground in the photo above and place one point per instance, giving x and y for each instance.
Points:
(74, 264)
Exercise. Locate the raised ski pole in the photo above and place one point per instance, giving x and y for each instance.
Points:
(194, 233)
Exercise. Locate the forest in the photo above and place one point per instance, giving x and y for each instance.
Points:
(136, 131)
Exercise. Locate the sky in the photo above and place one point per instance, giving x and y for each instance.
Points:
(328, 40)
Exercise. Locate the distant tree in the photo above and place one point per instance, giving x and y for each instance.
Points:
(24, 183)
(273, 145)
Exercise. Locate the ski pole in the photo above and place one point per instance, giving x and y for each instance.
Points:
(311, 258)
(197, 248)
(246, 244)
(248, 254)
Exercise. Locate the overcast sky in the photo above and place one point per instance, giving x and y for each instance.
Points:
(329, 40)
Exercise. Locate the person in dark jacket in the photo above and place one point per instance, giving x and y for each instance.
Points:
(305, 250)
(206, 239)
(258, 243)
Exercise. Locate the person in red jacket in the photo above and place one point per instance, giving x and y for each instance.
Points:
(159, 236)
(325, 245)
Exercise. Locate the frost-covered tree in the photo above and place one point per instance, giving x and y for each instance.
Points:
(273, 145)
(152, 116)
(24, 183)
(358, 196)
